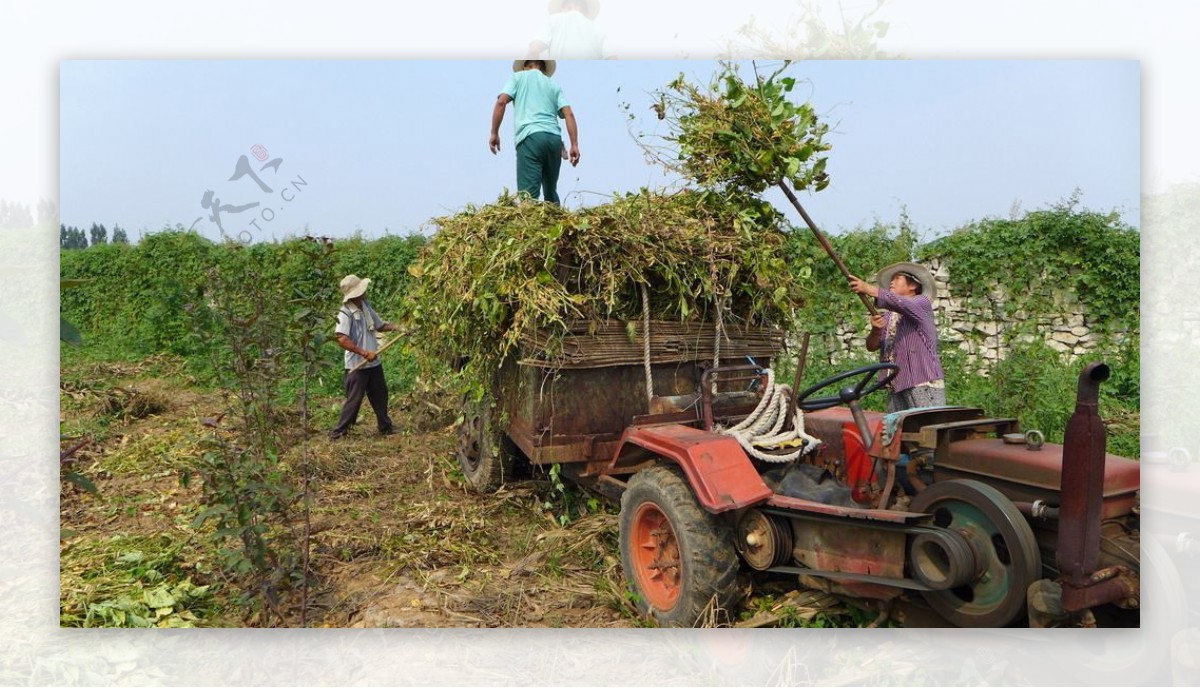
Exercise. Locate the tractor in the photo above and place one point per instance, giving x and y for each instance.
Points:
(939, 516)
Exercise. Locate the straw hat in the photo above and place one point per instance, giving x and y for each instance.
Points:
(914, 270)
(590, 10)
(518, 65)
(353, 287)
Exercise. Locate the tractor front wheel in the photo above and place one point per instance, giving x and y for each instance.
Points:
(680, 561)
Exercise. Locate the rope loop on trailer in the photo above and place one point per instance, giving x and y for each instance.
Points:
(646, 342)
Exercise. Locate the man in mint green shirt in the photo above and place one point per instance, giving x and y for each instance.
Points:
(538, 104)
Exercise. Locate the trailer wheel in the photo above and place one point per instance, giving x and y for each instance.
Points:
(678, 558)
(1006, 553)
(486, 457)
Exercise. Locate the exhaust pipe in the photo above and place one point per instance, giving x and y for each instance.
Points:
(1081, 496)
(1082, 488)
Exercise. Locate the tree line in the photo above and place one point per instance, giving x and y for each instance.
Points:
(74, 237)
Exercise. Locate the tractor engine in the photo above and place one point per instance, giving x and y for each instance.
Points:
(1061, 519)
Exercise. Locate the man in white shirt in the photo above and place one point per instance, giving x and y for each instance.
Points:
(357, 326)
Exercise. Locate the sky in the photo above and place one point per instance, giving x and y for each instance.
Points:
(384, 146)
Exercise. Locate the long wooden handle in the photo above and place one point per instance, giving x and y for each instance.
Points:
(378, 351)
(801, 360)
(826, 245)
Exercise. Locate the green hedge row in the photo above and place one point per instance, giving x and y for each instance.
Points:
(135, 298)
(138, 300)
(142, 299)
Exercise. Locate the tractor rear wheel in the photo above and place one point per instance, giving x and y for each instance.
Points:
(486, 457)
(680, 561)
(1006, 553)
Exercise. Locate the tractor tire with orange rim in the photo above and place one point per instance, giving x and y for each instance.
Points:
(678, 558)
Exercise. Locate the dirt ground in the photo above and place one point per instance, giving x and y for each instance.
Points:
(402, 544)
(396, 538)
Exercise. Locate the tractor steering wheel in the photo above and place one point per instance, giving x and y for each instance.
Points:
(850, 393)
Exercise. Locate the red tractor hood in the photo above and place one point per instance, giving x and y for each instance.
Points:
(1025, 475)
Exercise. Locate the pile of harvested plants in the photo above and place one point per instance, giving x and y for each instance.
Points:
(495, 273)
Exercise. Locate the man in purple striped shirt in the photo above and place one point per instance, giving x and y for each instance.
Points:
(906, 334)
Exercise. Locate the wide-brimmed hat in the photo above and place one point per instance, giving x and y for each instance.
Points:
(915, 270)
(590, 10)
(353, 287)
(518, 65)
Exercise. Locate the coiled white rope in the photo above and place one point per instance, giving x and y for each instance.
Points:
(764, 426)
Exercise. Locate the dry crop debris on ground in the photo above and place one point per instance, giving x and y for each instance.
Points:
(398, 540)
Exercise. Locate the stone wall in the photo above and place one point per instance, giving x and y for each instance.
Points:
(982, 330)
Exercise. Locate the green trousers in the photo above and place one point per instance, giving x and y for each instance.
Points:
(539, 157)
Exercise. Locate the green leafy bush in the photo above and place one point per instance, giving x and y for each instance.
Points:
(134, 301)
(1092, 256)
(744, 135)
